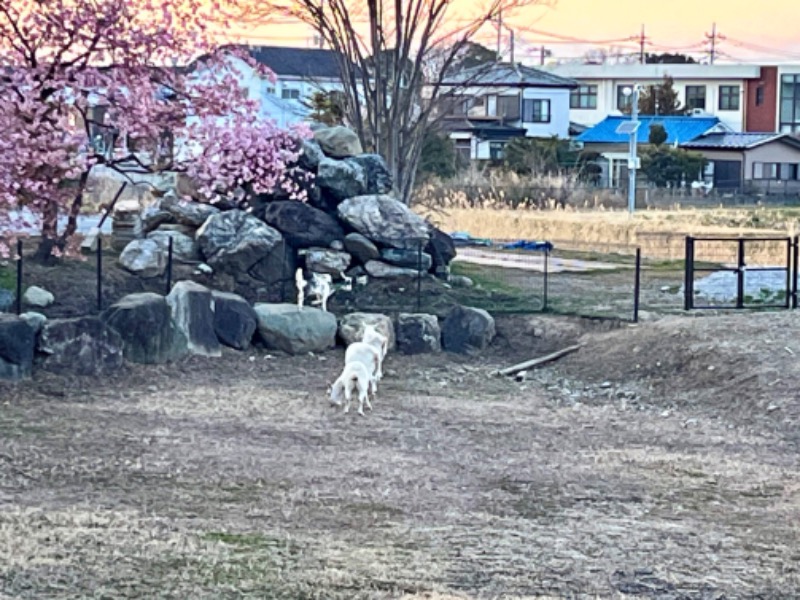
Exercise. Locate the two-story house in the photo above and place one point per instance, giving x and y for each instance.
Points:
(300, 72)
(488, 105)
(748, 98)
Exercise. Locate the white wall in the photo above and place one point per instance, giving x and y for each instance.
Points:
(559, 112)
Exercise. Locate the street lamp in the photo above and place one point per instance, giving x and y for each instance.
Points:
(632, 129)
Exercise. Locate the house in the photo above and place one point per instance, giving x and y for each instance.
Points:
(488, 105)
(749, 98)
(765, 162)
(300, 72)
(612, 146)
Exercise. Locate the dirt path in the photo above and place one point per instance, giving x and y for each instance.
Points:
(233, 478)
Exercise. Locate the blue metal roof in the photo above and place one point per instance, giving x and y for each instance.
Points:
(679, 129)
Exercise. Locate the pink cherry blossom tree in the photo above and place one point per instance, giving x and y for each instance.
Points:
(137, 86)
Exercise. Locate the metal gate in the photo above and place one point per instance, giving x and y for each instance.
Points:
(736, 248)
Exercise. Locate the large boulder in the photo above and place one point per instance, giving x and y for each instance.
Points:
(326, 260)
(360, 247)
(380, 270)
(146, 258)
(338, 142)
(379, 179)
(295, 331)
(154, 217)
(17, 344)
(184, 248)
(418, 333)
(82, 346)
(467, 330)
(193, 313)
(441, 249)
(237, 243)
(38, 297)
(341, 179)
(352, 326)
(410, 258)
(385, 220)
(187, 212)
(34, 319)
(144, 322)
(311, 156)
(302, 225)
(235, 321)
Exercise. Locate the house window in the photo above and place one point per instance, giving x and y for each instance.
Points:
(584, 96)
(289, 94)
(790, 104)
(463, 152)
(624, 101)
(762, 170)
(760, 95)
(729, 97)
(535, 111)
(696, 97)
(496, 150)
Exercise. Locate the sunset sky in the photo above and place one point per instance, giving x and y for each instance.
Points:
(765, 31)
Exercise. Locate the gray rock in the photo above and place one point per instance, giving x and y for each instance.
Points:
(311, 156)
(418, 333)
(336, 245)
(410, 258)
(352, 326)
(149, 335)
(381, 270)
(285, 327)
(461, 281)
(384, 219)
(237, 243)
(302, 225)
(235, 321)
(360, 247)
(187, 212)
(82, 346)
(7, 299)
(145, 258)
(467, 330)
(379, 179)
(38, 297)
(153, 218)
(340, 179)
(17, 344)
(189, 230)
(325, 260)
(184, 248)
(34, 319)
(441, 248)
(338, 142)
(193, 314)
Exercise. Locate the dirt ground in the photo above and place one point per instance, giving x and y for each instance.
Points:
(659, 461)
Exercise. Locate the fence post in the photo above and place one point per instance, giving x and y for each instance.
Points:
(19, 277)
(169, 265)
(795, 269)
(688, 281)
(740, 275)
(99, 272)
(637, 285)
(789, 273)
(544, 282)
(419, 275)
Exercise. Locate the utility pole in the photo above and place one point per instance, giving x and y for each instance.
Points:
(642, 40)
(541, 59)
(633, 160)
(511, 52)
(499, 33)
(713, 39)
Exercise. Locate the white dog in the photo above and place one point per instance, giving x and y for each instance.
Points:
(354, 378)
(319, 288)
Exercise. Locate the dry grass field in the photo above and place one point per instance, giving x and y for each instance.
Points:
(659, 461)
(660, 233)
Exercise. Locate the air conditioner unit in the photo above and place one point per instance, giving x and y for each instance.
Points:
(697, 112)
(575, 145)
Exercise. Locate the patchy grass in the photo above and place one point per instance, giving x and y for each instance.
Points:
(8, 276)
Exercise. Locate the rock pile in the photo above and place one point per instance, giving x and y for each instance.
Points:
(348, 226)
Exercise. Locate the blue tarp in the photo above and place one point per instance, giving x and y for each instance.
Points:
(529, 245)
(462, 238)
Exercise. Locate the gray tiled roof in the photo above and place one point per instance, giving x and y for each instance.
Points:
(298, 62)
(507, 74)
(738, 141)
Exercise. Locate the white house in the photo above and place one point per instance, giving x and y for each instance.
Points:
(300, 72)
(713, 90)
(490, 104)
